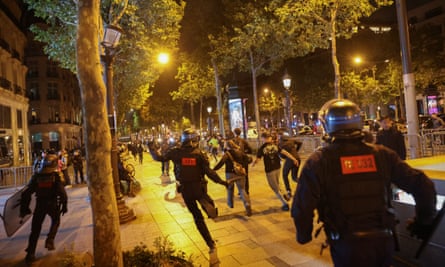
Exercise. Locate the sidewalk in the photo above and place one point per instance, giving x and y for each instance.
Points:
(267, 238)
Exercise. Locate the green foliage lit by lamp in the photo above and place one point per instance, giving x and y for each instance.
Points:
(165, 256)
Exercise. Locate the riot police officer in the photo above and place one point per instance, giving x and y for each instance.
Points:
(51, 199)
(190, 166)
(349, 183)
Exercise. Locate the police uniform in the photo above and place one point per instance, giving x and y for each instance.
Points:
(51, 199)
(349, 183)
(190, 167)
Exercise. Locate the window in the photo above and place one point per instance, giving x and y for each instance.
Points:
(33, 69)
(53, 93)
(5, 117)
(52, 69)
(34, 91)
(433, 12)
(19, 119)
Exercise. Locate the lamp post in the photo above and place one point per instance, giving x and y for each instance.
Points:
(209, 120)
(286, 83)
(111, 39)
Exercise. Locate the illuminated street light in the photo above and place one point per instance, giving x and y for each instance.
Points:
(209, 120)
(358, 60)
(111, 38)
(163, 58)
(287, 80)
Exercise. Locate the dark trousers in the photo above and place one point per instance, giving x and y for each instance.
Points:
(78, 172)
(289, 166)
(363, 252)
(191, 198)
(43, 207)
(66, 176)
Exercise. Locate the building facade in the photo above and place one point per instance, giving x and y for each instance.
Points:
(54, 97)
(14, 132)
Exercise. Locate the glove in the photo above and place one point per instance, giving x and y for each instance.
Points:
(64, 209)
(24, 212)
(418, 230)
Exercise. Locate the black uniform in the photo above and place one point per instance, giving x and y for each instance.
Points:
(51, 199)
(190, 167)
(348, 182)
(393, 139)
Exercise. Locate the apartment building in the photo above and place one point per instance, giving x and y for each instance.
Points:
(14, 132)
(54, 114)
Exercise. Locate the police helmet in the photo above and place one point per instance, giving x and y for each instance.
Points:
(341, 118)
(49, 164)
(189, 137)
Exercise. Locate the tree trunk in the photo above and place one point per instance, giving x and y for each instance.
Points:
(107, 246)
(338, 92)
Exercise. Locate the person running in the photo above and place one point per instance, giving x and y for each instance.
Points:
(292, 146)
(348, 182)
(233, 153)
(270, 152)
(51, 198)
(246, 148)
(190, 166)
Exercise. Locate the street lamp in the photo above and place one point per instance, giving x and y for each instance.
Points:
(287, 83)
(209, 120)
(111, 38)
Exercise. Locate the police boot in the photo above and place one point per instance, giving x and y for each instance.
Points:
(30, 258)
(49, 244)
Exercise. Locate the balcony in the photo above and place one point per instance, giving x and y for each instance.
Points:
(5, 83)
(4, 45)
(18, 90)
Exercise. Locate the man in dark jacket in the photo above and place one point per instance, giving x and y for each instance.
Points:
(190, 167)
(349, 183)
(52, 199)
(292, 146)
(390, 137)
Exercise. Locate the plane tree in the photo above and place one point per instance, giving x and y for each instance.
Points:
(326, 21)
(72, 38)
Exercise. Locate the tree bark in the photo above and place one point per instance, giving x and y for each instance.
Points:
(107, 243)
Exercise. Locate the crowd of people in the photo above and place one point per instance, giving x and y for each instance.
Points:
(64, 161)
(349, 182)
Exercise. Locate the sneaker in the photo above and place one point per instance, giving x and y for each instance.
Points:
(286, 197)
(285, 207)
(49, 244)
(248, 211)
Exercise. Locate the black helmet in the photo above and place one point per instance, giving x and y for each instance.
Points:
(341, 118)
(189, 137)
(49, 164)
